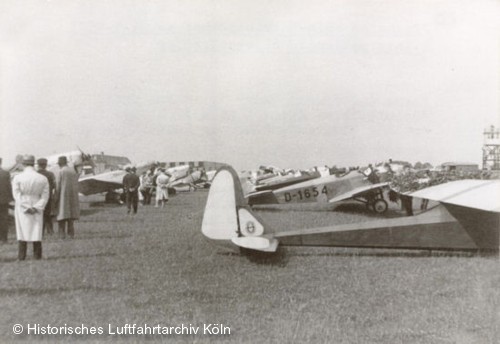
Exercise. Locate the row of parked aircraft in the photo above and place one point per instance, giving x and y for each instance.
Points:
(182, 176)
(270, 185)
(460, 215)
(463, 215)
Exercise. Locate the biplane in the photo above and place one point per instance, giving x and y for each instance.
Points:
(465, 216)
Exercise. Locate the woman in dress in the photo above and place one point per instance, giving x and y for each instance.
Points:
(162, 189)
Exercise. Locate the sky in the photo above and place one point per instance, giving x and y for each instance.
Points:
(287, 83)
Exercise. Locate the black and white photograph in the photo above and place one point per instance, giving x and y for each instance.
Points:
(283, 171)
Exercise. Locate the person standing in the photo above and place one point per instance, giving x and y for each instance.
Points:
(407, 187)
(47, 213)
(162, 188)
(31, 193)
(146, 187)
(66, 195)
(5, 198)
(131, 184)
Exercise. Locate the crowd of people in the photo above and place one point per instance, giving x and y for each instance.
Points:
(143, 187)
(40, 196)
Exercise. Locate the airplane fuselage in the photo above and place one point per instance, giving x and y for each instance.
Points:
(318, 190)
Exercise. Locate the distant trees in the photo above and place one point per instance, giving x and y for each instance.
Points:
(420, 166)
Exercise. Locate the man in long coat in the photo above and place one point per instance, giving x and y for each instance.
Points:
(67, 205)
(5, 198)
(131, 183)
(31, 193)
(49, 208)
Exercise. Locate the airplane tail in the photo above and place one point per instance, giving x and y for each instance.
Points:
(228, 217)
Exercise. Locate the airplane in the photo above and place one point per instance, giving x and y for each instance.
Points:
(465, 216)
(76, 159)
(326, 189)
(177, 172)
(286, 180)
(195, 180)
(110, 181)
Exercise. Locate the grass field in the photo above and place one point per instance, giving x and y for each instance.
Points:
(157, 268)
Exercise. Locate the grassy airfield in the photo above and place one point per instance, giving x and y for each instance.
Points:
(157, 268)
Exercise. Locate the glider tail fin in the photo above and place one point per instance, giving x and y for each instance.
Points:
(228, 217)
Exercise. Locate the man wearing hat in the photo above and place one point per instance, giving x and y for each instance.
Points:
(31, 193)
(66, 195)
(5, 198)
(47, 213)
(131, 183)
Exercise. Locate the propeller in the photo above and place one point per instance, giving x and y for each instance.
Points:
(87, 159)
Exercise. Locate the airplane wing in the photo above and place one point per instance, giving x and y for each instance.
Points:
(101, 183)
(476, 206)
(477, 194)
(357, 192)
(178, 172)
(284, 181)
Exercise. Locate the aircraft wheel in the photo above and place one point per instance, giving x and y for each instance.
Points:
(380, 206)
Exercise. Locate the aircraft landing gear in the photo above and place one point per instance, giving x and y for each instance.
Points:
(114, 197)
(380, 206)
(374, 201)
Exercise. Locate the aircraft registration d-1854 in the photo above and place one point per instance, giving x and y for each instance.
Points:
(327, 189)
(466, 216)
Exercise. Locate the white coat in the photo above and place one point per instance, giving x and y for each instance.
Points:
(30, 190)
(161, 188)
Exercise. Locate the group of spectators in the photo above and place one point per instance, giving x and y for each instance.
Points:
(411, 180)
(40, 196)
(406, 180)
(154, 181)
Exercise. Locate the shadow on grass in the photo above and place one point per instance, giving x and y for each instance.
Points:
(384, 254)
(30, 259)
(111, 204)
(46, 291)
(90, 211)
(86, 236)
(278, 258)
(8, 260)
(282, 256)
(92, 237)
(104, 254)
(178, 205)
